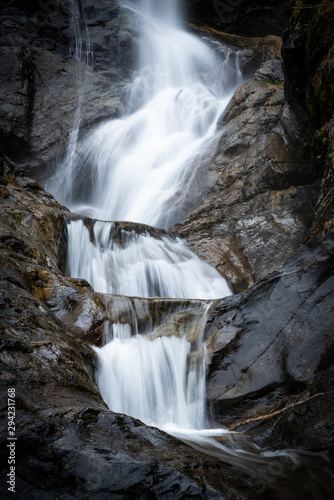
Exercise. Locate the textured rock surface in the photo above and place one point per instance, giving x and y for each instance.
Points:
(276, 335)
(264, 187)
(243, 17)
(308, 54)
(271, 355)
(40, 76)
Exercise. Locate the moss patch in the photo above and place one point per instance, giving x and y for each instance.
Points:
(271, 43)
(274, 84)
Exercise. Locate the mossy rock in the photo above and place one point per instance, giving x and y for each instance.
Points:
(323, 91)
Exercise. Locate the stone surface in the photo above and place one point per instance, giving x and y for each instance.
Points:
(40, 76)
(242, 17)
(263, 185)
(309, 72)
(256, 49)
(271, 353)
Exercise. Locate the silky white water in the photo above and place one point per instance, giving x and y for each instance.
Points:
(152, 380)
(138, 264)
(142, 167)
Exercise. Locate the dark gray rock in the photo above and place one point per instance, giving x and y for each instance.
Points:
(309, 71)
(41, 77)
(271, 353)
(242, 17)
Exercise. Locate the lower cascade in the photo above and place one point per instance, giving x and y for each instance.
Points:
(153, 379)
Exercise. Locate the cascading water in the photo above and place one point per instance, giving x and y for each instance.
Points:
(143, 168)
(153, 379)
(125, 262)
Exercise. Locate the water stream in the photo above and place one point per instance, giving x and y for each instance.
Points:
(144, 167)
(138, 263)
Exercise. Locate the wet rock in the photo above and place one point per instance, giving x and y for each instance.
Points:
(94, 314)
(309, 69)
(252, 51)
(241, 17)
(263, 185)
(271, 354)
(40, 76)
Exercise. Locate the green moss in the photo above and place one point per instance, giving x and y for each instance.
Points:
(274, 84)
(295, 15)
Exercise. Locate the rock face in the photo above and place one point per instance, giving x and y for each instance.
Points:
(40, 76)
(309, 69)
(271, 357)
(264, 186)
(274, 343)
(242, 17)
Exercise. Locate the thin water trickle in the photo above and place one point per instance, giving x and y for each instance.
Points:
(82, 52)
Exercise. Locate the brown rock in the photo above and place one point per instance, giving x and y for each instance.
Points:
(261, 203)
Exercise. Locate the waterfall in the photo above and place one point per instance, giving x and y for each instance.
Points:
(152, 378)
(142, 168)
(128, 262)
(147, 167)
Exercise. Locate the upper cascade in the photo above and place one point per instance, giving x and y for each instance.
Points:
(145, 166)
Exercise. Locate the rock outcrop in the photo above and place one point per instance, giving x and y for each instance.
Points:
(308, 55)
(242, 17)
(43, 81)
(264, 185)
(271, 350)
